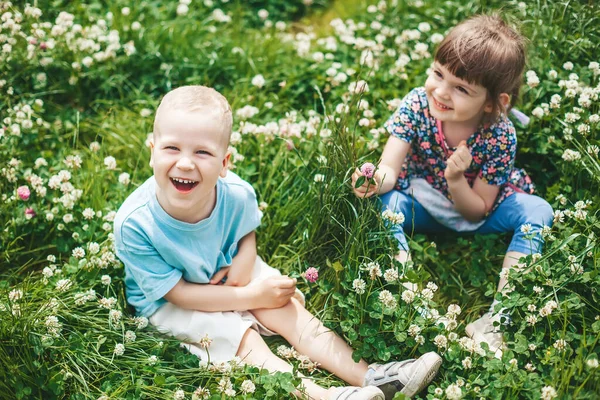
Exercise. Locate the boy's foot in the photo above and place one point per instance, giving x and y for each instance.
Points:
(483, 330)
(356, 393)
(408, 377)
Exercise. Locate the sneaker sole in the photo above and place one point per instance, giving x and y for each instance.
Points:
(420, 380)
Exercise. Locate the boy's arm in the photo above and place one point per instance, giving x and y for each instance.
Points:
(273, 292)
(239, 272)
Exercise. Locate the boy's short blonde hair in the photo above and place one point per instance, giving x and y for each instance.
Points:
(196, 98)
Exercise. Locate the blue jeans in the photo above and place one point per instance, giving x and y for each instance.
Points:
(515, 211)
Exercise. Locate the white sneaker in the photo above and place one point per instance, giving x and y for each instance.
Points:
(408, 377)
(356, 393)
(483, 330)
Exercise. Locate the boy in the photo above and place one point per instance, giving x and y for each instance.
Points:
(191, 226)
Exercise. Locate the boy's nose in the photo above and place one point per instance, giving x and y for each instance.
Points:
(185, 163)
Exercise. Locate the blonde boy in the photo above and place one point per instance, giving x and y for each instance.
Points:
(186, 237)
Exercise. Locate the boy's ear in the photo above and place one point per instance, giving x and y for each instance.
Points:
(225, 168)
(151, 153)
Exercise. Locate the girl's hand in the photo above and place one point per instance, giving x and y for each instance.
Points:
(367, 189)
(275, 292)
(458, 162)
(219, 275)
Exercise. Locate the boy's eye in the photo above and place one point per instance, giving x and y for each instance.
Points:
(171, 148)
(203, 152)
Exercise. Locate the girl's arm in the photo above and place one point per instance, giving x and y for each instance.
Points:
(393, 156)
(472, 203)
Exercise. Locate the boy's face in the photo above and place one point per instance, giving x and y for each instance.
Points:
(452, 99)
(189, 154)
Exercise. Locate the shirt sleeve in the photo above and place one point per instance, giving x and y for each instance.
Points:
(144, 265)
(501, 149)
(404, 121)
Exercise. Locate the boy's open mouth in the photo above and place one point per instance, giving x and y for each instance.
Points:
(183, 185)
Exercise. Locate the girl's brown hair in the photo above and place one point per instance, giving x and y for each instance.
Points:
(486, 51)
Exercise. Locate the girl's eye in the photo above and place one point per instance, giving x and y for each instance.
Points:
(203, 152)
(462, 89)
(171, 148)
(438, 74)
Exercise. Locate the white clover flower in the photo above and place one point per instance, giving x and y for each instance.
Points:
(427, 294)
(414, 330)
(359, 286)
(105, 280)
(526, 228)
(532, 347)
(130, 336)
(529, 367)
(592, 363)
(441, 341)
(467, 363)
(453, 392)
(15, 295)
(119, 349)
(560, 345)
(571, 155)
(248, 387)
(319, 178)
(387, 299)
(568, 66)
(63, 285)
(454, 310)
(538, 112)
(140, 322)
(152, 360)
(182, 9)
(124, 179)
(392, 217)
(548, 393)
(408, 296)
(258, 81)
(358, 87)
(110, 162)
(391, 275)
(78, 252)
(115, 316)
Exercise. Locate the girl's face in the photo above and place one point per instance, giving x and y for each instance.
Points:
(452, 99)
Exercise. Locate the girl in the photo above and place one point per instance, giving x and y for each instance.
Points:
(448, 163)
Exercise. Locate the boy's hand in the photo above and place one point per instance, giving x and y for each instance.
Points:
(458, 162)
(275, 292)
(367, 189)
(219, 275)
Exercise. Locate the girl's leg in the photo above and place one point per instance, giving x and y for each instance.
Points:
(416, 219)
(310, 337)
(255, 351)
(525, 215)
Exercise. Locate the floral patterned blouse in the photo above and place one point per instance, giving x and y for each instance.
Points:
(493, 148)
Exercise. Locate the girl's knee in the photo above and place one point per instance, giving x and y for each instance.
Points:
(536, 211)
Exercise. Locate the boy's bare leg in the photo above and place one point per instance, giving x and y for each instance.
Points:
(310, 337)
(402, 256)
(253, 350)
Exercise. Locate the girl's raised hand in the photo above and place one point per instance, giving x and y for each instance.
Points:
(458, 162)
(367, 189)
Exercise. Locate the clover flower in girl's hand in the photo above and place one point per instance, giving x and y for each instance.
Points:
(311, 274)
(368, 170)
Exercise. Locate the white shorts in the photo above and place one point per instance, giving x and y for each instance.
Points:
(226, 329)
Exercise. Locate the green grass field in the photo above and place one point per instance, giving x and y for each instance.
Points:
(79, 84)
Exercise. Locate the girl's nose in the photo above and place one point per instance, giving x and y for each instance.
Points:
(442, 91)
(185, 163)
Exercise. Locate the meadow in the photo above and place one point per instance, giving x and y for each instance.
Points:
(311, 84)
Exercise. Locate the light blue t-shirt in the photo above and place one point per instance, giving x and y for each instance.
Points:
(158, 250)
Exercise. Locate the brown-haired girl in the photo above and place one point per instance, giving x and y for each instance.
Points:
(448, 164)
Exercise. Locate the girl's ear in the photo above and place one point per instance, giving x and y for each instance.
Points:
(225, 168)
(505, 100)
